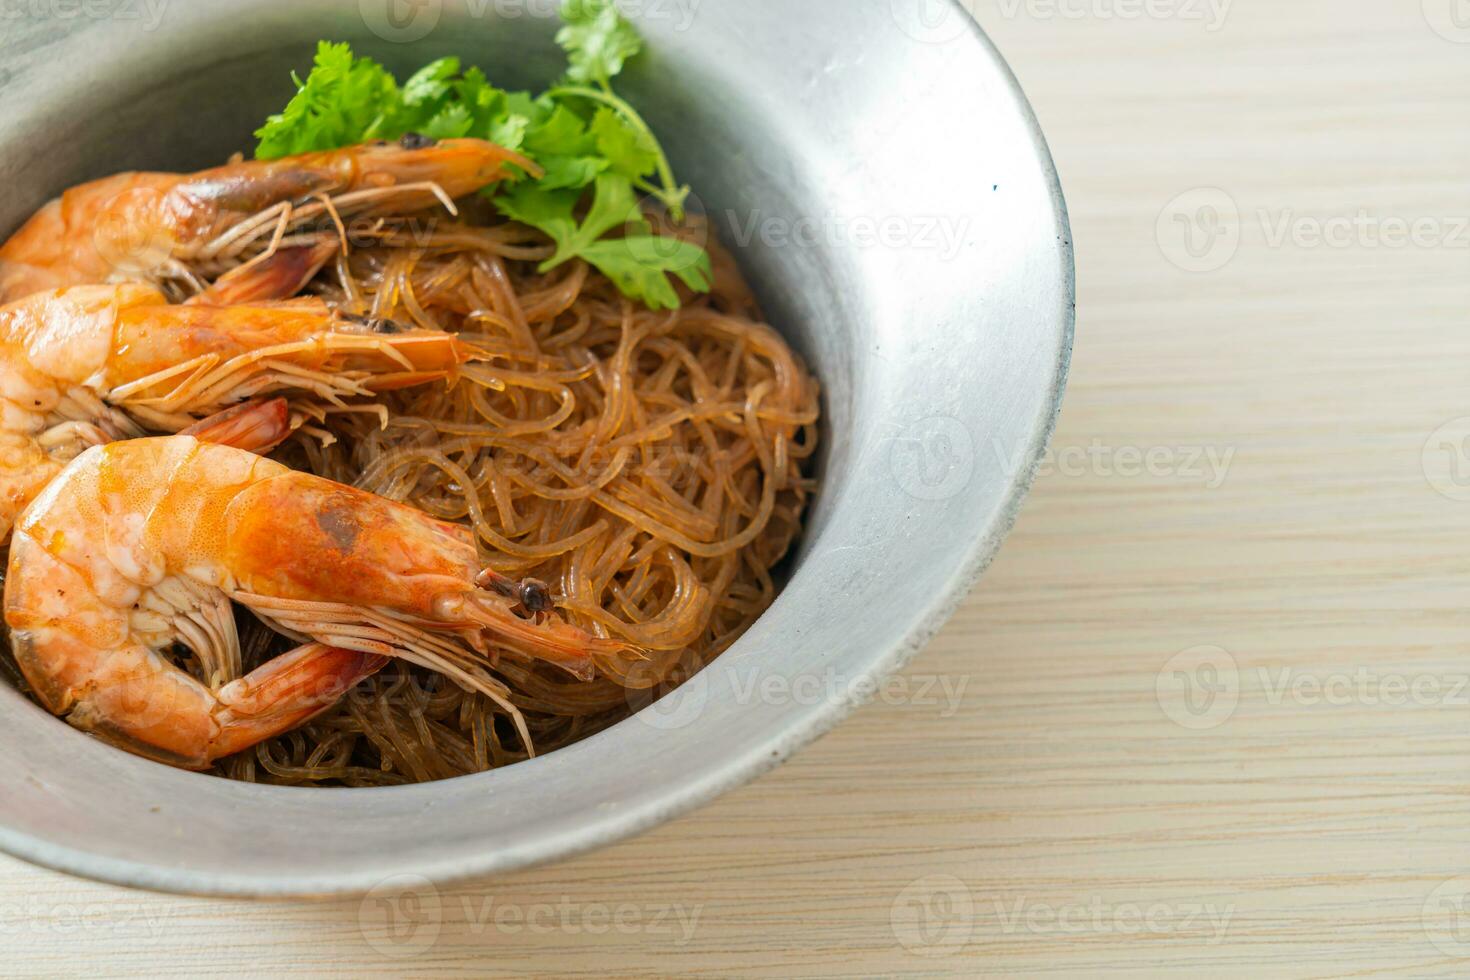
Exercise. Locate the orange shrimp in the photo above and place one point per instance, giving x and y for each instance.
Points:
(167, 229)
(278, 275)
(139, 545)
(86, 365)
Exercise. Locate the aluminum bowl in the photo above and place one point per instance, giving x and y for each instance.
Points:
(893, 201)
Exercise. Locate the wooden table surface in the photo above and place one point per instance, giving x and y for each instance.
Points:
(1210, 709)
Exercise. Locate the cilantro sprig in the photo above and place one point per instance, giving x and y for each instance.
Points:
(639, 261)
(596, 150)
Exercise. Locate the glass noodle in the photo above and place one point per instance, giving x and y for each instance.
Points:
(648, 466)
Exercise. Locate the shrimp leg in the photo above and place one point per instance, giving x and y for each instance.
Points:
(278, 275)
(256, 426)
(286, 692)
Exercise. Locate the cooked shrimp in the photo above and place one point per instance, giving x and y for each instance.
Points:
(83, 366)
(168, 229)
(277, 275)
(137, 546)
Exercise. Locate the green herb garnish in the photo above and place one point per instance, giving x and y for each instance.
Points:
(596, 150)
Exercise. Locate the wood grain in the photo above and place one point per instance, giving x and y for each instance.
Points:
(1056, 817)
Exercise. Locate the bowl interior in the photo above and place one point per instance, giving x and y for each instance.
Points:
(892, 202)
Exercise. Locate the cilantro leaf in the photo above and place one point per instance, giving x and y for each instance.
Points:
(493, 111)
(431, 83)
(341, 102)
(613, 205)
(508, 131)
(597, 39)
(552, 211)
(569, 172)
(561, 131)
(627, 150)
(638, 265)
(450, 123)
(561, 144)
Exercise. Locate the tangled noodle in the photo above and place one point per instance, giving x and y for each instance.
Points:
(648, 465)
